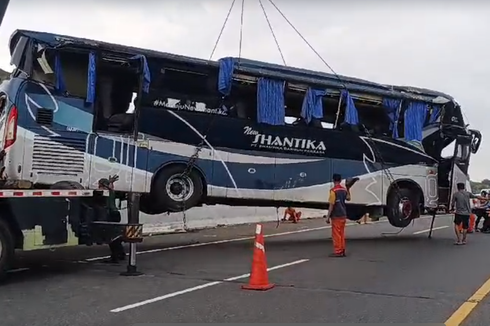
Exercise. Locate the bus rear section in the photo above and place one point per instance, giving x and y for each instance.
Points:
(73, 121)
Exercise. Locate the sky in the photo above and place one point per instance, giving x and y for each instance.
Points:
(441, 45)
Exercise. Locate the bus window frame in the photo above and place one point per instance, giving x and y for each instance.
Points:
(24, 63)
(137, 106)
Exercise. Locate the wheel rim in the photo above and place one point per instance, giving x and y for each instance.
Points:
(405, 208)
(179, 188)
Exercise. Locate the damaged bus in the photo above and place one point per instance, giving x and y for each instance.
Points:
(233, 131)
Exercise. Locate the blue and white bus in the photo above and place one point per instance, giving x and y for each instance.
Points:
(185, 132)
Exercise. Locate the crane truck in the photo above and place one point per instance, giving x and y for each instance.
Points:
(58, 215)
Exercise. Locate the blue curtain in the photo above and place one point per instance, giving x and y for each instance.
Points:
(312, 104)
(270, 102)
(436, 112)
(414, 120)
(392, 107)
(225, 77)
(91, 78)
(58, 71)
(146, 72)
(351, 116)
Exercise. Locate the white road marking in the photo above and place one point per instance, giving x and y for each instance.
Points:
(200, 287)
(224, 241)
(17, 270)
(209, 243)
(433, 229)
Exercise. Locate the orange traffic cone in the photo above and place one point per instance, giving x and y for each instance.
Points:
(259, 278)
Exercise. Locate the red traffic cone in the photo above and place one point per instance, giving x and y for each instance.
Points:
(259, 278)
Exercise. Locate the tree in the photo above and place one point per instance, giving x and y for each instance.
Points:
(486, 182)
(4, 75)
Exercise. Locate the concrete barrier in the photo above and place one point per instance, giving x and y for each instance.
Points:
(214, 216)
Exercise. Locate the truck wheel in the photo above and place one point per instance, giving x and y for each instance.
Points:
(67, 185)
(403, 207)
(7, 248)
(172, 191)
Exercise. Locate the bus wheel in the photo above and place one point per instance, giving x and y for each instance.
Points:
(402, 207)
(7, 249)
(148, 205)
(173, 192)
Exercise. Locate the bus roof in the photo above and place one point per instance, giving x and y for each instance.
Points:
(246, 66)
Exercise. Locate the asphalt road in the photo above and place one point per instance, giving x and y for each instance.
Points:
(386, 278)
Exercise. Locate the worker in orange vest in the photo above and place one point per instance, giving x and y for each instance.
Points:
(293, 215)
(337, 215)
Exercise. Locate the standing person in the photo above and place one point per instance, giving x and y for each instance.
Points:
(462, 210)
(482, 210)
(337, 214)
(116, 246)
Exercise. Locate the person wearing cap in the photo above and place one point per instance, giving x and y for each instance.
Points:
(116, 246)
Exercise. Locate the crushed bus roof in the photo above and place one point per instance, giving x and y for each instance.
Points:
(247, 66)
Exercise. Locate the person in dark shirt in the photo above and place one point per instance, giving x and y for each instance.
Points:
(337, 214)
(116, 246)
(461, 207)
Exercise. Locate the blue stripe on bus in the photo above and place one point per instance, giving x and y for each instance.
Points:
(245, 175)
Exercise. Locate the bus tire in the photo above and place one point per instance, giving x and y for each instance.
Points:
(402, 207)
(67, 185)
(148, 206)
(168, 189)
(7, 248)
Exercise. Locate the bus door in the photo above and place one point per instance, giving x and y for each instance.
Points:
(115, 146)
(460, 164)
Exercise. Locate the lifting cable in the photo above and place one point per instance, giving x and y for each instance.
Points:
(374, 146)
(307, 43)
(192, 160)
(199, 146)
(241, 33)
(222, 29)
(272, 32)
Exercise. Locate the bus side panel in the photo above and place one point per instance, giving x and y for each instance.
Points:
(306, 180)
(112, 154)
(247, 176)
(413, 173)
(369, 189)
(221, 181)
